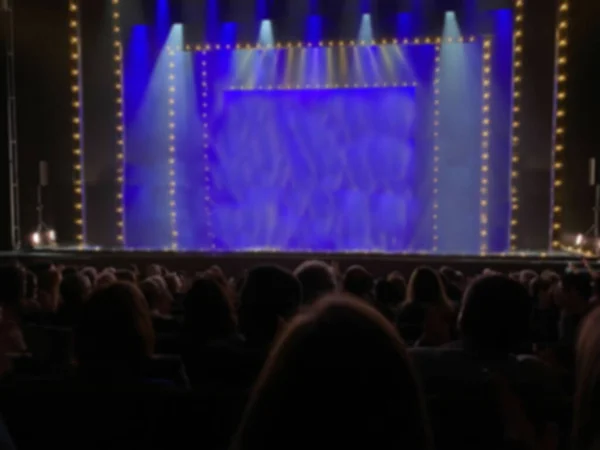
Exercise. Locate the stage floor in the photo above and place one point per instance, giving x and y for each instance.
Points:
(237, 263)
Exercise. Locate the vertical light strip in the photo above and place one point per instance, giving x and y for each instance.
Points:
(206, 141)
(120, 127)
(172, 149)
(562, 46)
(519, 16)
(77, 121)
(436, 144)
(486, 92)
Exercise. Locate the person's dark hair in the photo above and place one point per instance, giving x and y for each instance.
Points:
(68, 271)
(586, 413)
(126, 275)
(359, 282)
(12, 281)
(208, 313)
(152, 292)
(385, 293)
(399, 285)
(173, 282)
(31, 285)
(215, 272)
(91, 273)
(74, 291)
(269, 294)
(317, 279)
(539, 285)
(339, 377)
(115, 328)
(578, 282)
(426, 287)
(526, 275)
(495, 315)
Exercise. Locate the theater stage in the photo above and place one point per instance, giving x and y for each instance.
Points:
(235, 263)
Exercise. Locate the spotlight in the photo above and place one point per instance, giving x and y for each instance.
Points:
(579, 240)
(43, 238)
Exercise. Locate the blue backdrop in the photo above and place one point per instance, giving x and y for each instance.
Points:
(312, 149)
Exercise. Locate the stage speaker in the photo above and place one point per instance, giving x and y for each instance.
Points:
(593, 172)
(43, 173)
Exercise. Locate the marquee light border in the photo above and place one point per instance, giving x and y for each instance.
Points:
(484, 188)
(560, 116)
(429, 40)
(323, 87)
(515, 202)
(77, 122)
(119, 118)
(436, 146)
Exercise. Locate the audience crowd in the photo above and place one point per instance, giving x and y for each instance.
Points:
(317, 358)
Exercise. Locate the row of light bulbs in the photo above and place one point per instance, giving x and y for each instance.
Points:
(436, 145)
(516, 141)
(120, 127)
(76, 101)
(206, 148)
(562, 35)
(172, 152)
(317, 86)
(299, 44)
(485, 147)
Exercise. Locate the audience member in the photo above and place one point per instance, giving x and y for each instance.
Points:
(317, 279)
(74, 290)
(126, 275)
(359, 282)
(586, 412)
(160, 302)
(115, 338)
(339, 377)
(270, 297)
(494, 318)
(427, 315)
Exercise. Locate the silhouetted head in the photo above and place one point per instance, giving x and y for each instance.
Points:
(174, 283)
(317, 279)
(12, 285)
(359, 282)
(157, 295)
(586, 417)
(106, 278)
(208, 313)
(540, 291)
(576, 290)
(339, 377)
(74, 290)
(426, 287)
(91, 273)
(126, 275)
(115, 329)
(49, 280)
(495, 315)
(270, 295)
(399, 285)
